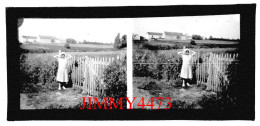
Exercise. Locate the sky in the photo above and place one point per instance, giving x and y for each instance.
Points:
(226, 26)
(105, 30)
(99, 30)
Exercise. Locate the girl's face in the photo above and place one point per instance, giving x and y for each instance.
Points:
(62, 55)
(187, 52)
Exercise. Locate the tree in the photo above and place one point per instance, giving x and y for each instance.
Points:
(197, 37)
(52, 40)
(117, 41)
(67, 46)
(123, 41)
(142, 38)
(71, 41)
(85, 42)
(120, 43)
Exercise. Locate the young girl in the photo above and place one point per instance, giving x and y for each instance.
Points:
(62, 74)
(186, 70)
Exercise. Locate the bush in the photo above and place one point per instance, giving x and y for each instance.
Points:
(115, 80)
(71, 41)
(228, 98)
(197, 37)
(117, 42)
(120, 43)
(37, 70)
(67, 46)
(192, 42)
(156, 66)
(123, 41)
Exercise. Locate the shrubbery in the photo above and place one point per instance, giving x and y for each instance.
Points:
(71, 41)
(120, 42)
(157, 66)
(192, 42)
(197, 37)
(115, 80)
(37, 70)
(67, 46)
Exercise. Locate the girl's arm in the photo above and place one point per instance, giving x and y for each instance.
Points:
(193, 52)
(68, 56)
(56, 56)
(180, 53)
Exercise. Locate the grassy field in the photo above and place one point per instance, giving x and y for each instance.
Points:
(199, 41)
(55, 47)
(173, 45)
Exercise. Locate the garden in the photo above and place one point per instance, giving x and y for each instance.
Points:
(38, 68)
(156, 74)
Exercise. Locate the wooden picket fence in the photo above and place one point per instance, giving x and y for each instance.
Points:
(86, 73)
(211, 69)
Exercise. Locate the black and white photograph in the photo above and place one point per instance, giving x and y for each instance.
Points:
(160, 62)
(188, 62)
(64, 60)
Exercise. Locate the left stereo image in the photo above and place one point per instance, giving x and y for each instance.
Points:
(72, 63)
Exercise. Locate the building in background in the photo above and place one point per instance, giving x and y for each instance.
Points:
(153, 35)
(48, 39)
(172, 36)
(136, 37)
(167, 36)
(28, 39)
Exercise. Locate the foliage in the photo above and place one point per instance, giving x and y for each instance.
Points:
(192, 42)
(67, 45)
(37, 70)
(123, 41)
(178, 44)
(50, 48)
(223, 39)
(197, 37)
(120, 43)
(115, 80)
(157, 66)
(71, 41)
(117, 41)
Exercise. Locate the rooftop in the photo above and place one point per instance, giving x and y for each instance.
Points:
(154, 33)
(29, 37)
(173, 33)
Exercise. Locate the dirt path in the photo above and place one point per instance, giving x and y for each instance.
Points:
(140, 93)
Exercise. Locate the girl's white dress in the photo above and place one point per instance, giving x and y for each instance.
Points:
(186, 71)
(62, 74)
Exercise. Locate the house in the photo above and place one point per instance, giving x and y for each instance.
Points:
(62, 40)
(136, 37)
(48, 39)
(153, 35)
(174, 36)
(27, 39)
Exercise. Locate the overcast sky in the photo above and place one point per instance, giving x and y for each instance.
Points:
(105, 30)
(227, 26)
(100, 30)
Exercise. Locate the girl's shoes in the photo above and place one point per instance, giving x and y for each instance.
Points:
(59, 88)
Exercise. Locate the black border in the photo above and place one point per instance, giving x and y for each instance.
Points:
(246, 52)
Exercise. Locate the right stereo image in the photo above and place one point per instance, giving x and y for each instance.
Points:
(186, 62)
